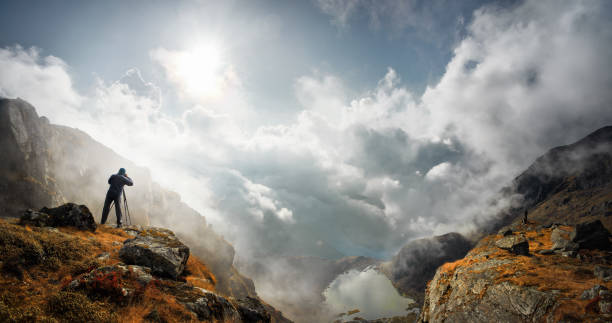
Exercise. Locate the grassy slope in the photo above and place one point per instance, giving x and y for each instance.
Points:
(37, 263)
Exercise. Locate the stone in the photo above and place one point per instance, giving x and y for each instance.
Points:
(35, 218)
(561, 241)
(605, 306)
(603, 273)
(158, 249)
(142, 274)
(103, 256)
(592, 292)
(505, 231)
(515, 244)
(252, 310)
(546, 252)
(207, 305)
(591, 235)
(569, 254)
(68, 214)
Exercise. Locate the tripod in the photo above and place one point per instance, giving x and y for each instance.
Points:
(128, 219)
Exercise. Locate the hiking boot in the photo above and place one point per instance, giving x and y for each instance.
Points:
(118, 225)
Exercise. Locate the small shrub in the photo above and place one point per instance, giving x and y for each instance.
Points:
(76, 307)
(21, 248)
(52, 263)
(29, 314)
(81, 267)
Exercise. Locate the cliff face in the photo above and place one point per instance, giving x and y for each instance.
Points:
(556, 267)
(47, 165)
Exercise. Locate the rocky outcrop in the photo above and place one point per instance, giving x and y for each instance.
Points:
(417, 261)
(158, 249)
(516, 244)
(68, 214)
(493, 285)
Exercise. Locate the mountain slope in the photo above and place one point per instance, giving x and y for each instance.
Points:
(47, 165)
(554, 267)
(66, 274)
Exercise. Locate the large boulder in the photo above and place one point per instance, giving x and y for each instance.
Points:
(591, 235)
(561, 240)
(69, 214)
(252, 310)
(516, 244)
(158, 249)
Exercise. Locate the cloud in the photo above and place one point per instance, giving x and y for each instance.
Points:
(340, 10)
(438, 22)
(356, 174)
(353, 174)
(44, 81)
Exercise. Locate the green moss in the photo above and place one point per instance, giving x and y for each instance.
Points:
(76, 307)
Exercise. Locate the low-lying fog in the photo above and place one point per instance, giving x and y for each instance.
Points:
(369, 291)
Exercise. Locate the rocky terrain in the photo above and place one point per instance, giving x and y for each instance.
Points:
(48, 165)
(555, 267)
(527, 273)
(72, 273)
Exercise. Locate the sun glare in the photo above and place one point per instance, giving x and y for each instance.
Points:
(201, 70)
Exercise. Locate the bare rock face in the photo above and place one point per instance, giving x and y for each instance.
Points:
(158, 249)
(492, 285)
(252, 310)
(68, 214)
(24, 166)
(211, 307)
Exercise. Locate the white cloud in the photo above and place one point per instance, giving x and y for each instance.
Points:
(356, 171)
(362, 173)
(369, 291)
(44, 81)
(439, 172)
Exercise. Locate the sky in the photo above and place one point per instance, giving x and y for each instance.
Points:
(327, 128)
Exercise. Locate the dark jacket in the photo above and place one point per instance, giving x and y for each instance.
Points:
(117, 182)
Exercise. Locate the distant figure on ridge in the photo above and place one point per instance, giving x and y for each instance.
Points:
(525, 217)
(116, 181)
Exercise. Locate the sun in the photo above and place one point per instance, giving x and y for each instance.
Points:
(200, 69)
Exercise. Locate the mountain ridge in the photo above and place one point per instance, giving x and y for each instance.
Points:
(542, 269)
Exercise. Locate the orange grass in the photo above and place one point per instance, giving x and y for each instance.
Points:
(199, 274)
(40, 283)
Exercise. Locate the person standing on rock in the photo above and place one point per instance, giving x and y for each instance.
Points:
(116, 181)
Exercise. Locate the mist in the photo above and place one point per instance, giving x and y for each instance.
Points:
(354, 172)
(369, 291)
